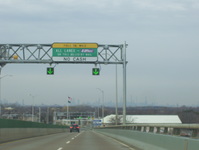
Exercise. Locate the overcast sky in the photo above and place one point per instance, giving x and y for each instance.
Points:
(162, 52)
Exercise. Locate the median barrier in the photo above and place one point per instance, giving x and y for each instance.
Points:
(151, 141)
(14, 129)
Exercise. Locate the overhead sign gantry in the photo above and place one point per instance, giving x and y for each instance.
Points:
(62, 52)
(83, 53)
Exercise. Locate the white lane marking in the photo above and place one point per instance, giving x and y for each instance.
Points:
(73, 138)
(60, 148)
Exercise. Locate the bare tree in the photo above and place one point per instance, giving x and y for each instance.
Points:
(112, 120)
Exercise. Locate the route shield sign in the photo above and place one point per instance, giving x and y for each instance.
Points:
(97, 122)
(75, 52)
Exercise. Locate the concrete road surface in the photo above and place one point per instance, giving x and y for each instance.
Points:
(85, 140)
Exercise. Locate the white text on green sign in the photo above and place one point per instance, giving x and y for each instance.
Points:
(75, 52)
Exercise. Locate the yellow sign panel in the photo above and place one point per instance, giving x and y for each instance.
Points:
(75, 45)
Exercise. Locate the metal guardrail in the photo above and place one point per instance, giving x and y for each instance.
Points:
(188, 130)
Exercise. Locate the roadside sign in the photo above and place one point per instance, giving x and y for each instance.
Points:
(96, 71)
(50, 71)
(97, 122)
(75, 52)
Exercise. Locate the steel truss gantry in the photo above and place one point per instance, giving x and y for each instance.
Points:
(42, 53)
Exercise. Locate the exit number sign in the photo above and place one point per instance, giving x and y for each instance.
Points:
(74, 52)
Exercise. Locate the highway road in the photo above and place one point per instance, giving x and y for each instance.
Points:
(85, 140)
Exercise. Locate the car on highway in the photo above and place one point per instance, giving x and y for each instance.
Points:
(74, 127)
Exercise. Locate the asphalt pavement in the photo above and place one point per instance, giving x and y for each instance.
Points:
(85, 140)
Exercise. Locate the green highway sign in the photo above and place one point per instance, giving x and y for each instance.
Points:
(75, 52)
(96, 71)
(50, 71)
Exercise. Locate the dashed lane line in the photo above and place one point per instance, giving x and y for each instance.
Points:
(73, 138)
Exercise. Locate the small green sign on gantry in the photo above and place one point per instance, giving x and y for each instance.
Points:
(50, 71)
(96, 71)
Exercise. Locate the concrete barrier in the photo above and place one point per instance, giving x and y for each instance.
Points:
(10, 134)
(151, 141)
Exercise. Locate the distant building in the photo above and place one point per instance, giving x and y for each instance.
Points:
(29, 117)
(10, 116)
(143, 119)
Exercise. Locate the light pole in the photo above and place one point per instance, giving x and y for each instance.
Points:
(39, 114)
(98, 108)
(0, 90)
(116, 97)
(102, 104)
(124, 82)
(47, 116)
(32, 107)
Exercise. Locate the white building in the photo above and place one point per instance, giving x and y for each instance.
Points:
(144, 119)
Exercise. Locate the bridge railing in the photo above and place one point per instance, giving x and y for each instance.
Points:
(187, 130)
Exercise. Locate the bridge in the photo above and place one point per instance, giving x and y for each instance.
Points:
(32, 135)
